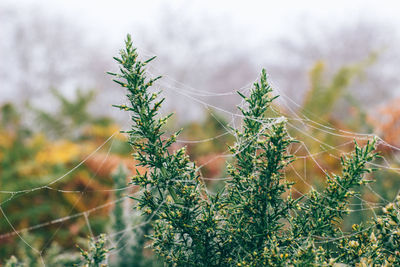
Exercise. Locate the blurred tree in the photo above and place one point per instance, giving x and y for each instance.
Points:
(131, 251)
(32, 159)
(69, 117)
(338, 45)
(39, 51)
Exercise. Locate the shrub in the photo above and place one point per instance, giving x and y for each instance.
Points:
(253, 221)
(130, 250)
(96, 255)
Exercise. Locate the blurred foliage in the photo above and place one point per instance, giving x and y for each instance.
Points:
(320, 148)
(71, 116)
(387, 123)
(324, 94)
(207, 141)
(55, 255)
(30, 158)
(330, 119)
(130, 229)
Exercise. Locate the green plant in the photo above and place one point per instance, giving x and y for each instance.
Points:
(254, 221)
(13, 262)
(118, 215)
(96, 255)
(55, 255)
(130, 252)
(70, 117)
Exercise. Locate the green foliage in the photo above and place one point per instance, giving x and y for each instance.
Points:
(254, 221)
(13, 262)
(182, 232)
(55, 255)
(119, 220)
(254, 198)
(96, 255)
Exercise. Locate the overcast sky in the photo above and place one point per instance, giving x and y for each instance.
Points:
(271, 18)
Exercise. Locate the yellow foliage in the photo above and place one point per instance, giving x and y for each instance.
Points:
(6, 140)
(30, 168)
(106, 131)
(38, 140)
(57, 152)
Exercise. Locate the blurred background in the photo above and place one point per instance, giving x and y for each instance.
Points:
(64, 166)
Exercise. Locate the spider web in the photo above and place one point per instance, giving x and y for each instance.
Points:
(297, 123)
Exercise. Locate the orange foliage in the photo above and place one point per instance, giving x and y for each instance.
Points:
(213, 164)
(387, 122)
(104, 165)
